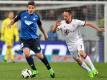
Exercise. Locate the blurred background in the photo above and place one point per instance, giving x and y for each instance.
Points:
(55, 48)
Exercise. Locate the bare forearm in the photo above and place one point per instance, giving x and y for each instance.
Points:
(56, 26)
(54, 29)
(12, 22)
(89, 24)
(95, 27)
(44, 33)
(42, 30)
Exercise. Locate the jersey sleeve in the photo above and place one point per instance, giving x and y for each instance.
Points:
(39, 22)
(80, 23)
(3, 30)
(16, 33)
(59, 27)
(17, 17)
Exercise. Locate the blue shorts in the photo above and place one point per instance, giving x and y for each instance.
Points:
(33, 44)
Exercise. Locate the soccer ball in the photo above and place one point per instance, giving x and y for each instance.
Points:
(26, 73)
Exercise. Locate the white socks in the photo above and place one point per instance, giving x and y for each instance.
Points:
(84, 66)
(89, 62)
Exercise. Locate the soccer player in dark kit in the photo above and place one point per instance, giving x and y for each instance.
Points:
(30, 22)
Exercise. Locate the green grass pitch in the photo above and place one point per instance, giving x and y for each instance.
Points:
(63, 70)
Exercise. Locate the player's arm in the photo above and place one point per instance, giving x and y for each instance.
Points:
(56, 26)
(16, 33)
(89, 24)
(42, 30)
(2, 31)
(15, 19)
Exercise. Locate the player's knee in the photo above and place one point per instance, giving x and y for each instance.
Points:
(79, 61)
(9, 46)
(26, 52)
(82, 53)
(40, 56)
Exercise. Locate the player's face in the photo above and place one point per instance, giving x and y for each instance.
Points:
(11, 15)
(31, 9)
(67, 17)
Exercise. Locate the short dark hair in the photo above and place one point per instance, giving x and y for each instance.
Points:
(68, 10)
(31, 3)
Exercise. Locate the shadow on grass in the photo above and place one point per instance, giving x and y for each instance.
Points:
(101, 76)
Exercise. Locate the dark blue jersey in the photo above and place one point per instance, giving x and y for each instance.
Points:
(29, 25)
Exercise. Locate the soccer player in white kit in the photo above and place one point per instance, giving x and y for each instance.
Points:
(70, 29)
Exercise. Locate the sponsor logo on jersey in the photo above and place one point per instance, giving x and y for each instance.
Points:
(25, 16)
(28, 22)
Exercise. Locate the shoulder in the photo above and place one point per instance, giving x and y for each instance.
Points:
(77, 20)
(37, 15)
(22, 12)
(5, 20)
(63, 22)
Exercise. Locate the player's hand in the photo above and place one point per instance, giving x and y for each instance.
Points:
(46, 37)
(11, 23)
(58, 23)
(101, 30)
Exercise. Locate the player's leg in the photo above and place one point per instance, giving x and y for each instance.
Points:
(73, 49)
(43, 59)
(88, 61)
(80, 61)
(86, 58)
(11, 55)
(37, 49)
(8, 50)
(29, 59)
(11, 52)
(91, 75)
(46, 63)
(7, 53)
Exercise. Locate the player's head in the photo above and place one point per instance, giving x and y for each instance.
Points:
(31, 7)
(67, 14)
(10, 15)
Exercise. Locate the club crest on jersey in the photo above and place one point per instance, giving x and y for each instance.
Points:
(66, 31)
(25, 16)
(28, 22)
(34, 18)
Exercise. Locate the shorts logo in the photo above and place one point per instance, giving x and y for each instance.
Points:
(38, 48)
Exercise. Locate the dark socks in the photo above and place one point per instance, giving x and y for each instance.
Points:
(31, 62)
(45, 61)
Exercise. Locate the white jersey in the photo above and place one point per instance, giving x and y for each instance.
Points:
(71, 31)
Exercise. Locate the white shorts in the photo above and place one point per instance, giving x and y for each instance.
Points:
(75, 47)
